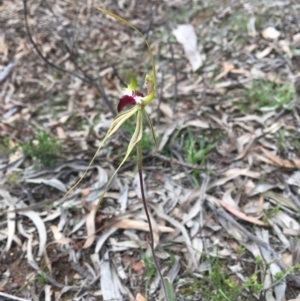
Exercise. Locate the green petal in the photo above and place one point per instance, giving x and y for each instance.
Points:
(132, 86)
(118, 121)
(151, 90)
(136, 137)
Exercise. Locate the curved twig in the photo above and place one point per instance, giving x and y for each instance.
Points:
(85, 78)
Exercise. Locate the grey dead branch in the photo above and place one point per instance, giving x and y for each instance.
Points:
(248, 185)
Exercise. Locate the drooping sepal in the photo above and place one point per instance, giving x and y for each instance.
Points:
(118, 121)
(136, 137)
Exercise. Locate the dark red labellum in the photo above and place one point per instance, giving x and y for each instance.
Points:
(128, 100)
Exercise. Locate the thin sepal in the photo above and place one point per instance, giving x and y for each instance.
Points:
(136, 137)
(120, 19)
(132, 85)
(118, 121)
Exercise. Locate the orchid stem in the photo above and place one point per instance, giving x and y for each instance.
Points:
(151, 237)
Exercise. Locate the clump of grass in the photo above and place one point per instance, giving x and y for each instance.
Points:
(13, 177)
(271, 213)
(41, 278)
(238, 22)
(266, 96)
(220, 284)
(6, 148)
(288, 141)
(43, 148)
(150, 271)
(196, 150)
(151, 274)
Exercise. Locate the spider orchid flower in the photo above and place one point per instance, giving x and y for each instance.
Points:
(131, 96)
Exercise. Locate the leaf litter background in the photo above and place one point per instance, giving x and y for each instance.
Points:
(241, 190)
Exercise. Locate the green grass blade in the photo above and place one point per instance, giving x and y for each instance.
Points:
(170, 291)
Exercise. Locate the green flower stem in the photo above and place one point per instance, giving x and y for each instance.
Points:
(151, 238)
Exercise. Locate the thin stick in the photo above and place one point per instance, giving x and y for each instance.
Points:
(151, 238)
(12, 297)
(175, 75)
(85, 78)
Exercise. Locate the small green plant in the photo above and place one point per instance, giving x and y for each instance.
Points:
(258, 260)
(259, 22)
(275, 210)
(240, 250)
(252, 284)
(42, 278)
(195, 152)
(265, 96)
(297, 145)
(278, 276)
(269, 214)
(13, 177)
(149, 266)
(150, 271)
(220, 284)
(287, 140)
(238, 22)
(282, 139)
(43, 147)
(5, 147)
(297, 267)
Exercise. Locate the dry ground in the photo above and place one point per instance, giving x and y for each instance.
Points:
(224, 187)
